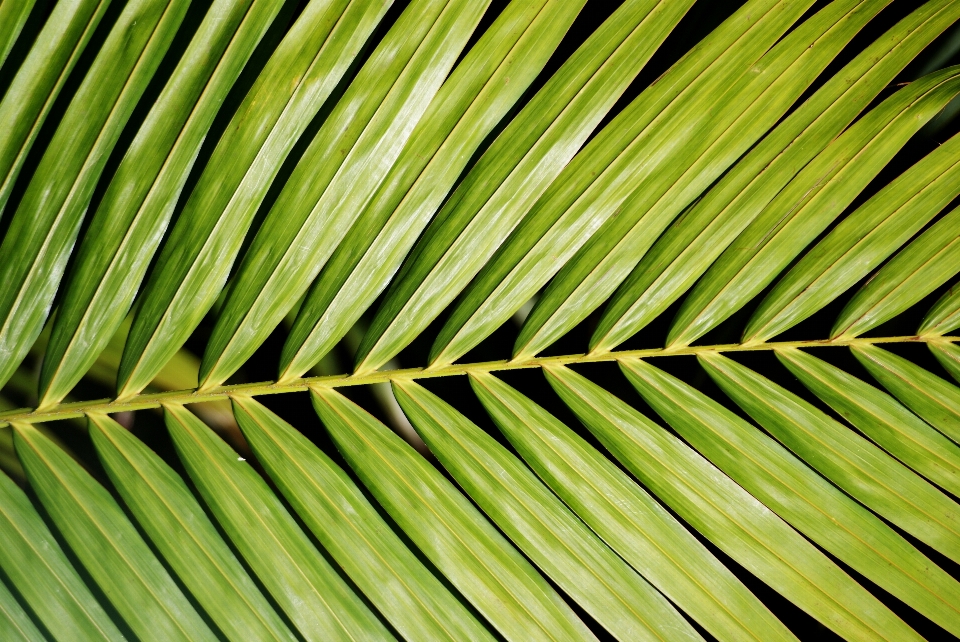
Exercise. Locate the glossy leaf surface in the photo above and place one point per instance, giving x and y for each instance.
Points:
(484, 86)
(800, 496)
(811, 201)
(342, 518)
(744, 93)
(13, 15)
(881, 418)
(627, 518)
(107, 544)
(920, 268)
(179, 528)
(41, 573)
(858, 467)
(695, 240)
(723, 512)
(337, 176)
(38, 243)
(298, 577)
(859, 244)
(445, 526)
(514, 172)
(930, 397)
(540, 525)
(133, 214)
(38, 81)
(301, 74)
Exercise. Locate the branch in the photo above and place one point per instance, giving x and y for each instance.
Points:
(179, 397)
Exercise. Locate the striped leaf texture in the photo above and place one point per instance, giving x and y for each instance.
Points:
(479, 320)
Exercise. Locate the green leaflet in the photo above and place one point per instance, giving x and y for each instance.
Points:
(923, 266)
(595, 244)
(515, 171)
(932, 398)
(859, 243)
(176, 524)
(628, 519)
(342, 519)
(480, 92)
(13, 15)
(337, 176)
(807, 501)
(809, 203)
(854, 464)
(302, 583)
(944, 316)
(39, 79)
(445, 526)
(881, 418)
(41, 573)
(721, 510)
(133, 214)
(700, 235)
(540, 525)
(949, 357)
(107, 544)
(299, 77)
(15, 624)
(40, 238)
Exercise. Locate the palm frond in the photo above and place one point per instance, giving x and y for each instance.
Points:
(421, 188)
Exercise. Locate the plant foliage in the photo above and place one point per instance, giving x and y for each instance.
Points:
(747, 216)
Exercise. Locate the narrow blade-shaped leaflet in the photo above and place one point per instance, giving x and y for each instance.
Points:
(447, 529)
(335, 510)
(136, 208)
(735, 521)
(172, 518)
(302, 583)
(300, 76)
(807, 501)
(107, 544)
(540, 525)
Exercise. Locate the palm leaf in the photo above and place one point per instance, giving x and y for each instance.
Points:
(13, 15)
(516, 170)
(429, 165)
(735, 521)
(134, 211)
(108, 545)
(944, 316)
(178, 527)
(44, 228)
(302, 73)
(949, 357)
(15, 624)
(919, 269)
(628, 519)
(405, 186)
(44, 577)
(711, 138)
(341, 517)
(443, 524)
(302, 582)
(850, 461)
(688, 248)
(31, 95)
(337, 175)
(529, 514)
(800, 496)
(857, 245)
(881, 418)
(930, 397)
(809, 203)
